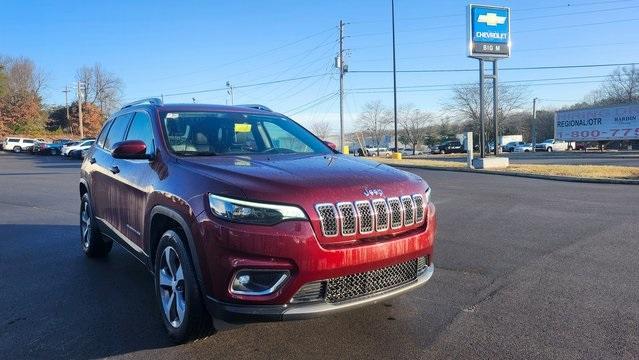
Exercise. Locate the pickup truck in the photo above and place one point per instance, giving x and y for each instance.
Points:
(551, 145)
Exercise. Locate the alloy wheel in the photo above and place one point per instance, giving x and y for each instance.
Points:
(85, 224)
(171, 283)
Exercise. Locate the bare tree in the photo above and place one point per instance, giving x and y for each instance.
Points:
(102, 88)
(22, 76)
(414, 124)
(321, 129)
(621, 87)
(465, 103)
(373, 121)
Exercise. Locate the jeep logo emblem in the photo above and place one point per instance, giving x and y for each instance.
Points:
(373, 192)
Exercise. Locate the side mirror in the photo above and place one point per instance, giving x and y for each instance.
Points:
(130, 149)
(331, 145)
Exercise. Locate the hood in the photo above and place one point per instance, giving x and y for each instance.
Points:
(306, 179)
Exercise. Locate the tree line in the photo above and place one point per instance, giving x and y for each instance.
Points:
(23, 111)
(461, 113)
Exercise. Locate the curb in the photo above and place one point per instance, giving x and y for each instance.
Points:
(531, 176)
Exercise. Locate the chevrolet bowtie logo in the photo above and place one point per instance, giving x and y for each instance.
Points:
(491, 19)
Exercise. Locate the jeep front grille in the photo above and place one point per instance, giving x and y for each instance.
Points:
(365, 217)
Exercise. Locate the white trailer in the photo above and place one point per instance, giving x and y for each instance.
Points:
(608, 123)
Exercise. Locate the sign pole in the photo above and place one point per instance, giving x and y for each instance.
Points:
(495, 101)
(482, 140)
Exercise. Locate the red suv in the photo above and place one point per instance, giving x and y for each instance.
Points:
(242, 214)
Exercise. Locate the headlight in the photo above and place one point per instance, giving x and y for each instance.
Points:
(427, 196)
(253, 212)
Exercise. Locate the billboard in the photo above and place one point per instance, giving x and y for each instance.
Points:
(604, 123)
(488, 32)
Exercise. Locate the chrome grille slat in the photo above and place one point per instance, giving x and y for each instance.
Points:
(348, 218)
(381, 214)
(328, 219)
(396, 213)
(365, 214)
(419, 208)
(409, 210)
(366, 217)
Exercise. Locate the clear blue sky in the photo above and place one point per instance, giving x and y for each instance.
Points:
(163, 47)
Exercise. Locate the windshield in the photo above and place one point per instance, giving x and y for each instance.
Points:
(226, 133)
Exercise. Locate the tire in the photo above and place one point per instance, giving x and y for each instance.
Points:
(569, 148)
(549, 149)
(53, 152)
(93, 243)
(176, 287)
(17, 149)
(526, 150)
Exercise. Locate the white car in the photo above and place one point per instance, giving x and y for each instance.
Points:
(409, 152)
(523, 148)
(17, 145)
(551, 145)
(77, 146)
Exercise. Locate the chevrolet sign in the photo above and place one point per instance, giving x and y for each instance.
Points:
(488, 32)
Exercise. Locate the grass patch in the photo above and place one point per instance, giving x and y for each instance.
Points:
(578, 171)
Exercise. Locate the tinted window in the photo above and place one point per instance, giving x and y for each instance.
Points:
(27, 141)
(117, 131)
(141, 129)
(13, 140)
(103, 133)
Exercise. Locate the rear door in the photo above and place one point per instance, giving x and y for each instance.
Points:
(106, 199)
(134, 182)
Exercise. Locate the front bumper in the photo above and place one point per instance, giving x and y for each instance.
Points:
(240, 313)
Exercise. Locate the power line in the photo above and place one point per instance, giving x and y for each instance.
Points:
(246, 85)
(453, 88)
(503, 69)
(255, 55)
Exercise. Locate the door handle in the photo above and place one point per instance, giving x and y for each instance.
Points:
(92, 160)
(115, 169)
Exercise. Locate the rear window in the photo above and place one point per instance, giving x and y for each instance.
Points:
(13, 140)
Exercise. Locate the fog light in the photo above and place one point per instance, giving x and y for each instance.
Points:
(257, 281)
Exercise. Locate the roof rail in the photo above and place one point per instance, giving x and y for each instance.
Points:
(153, 101)
(256, 106)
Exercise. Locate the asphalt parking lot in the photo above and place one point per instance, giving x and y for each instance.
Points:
(525, 268)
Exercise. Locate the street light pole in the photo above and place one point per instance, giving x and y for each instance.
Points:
(394, 76)
(230, 90)
(66, 100)
(534, 124)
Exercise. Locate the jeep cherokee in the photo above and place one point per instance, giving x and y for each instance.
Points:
(241, 214)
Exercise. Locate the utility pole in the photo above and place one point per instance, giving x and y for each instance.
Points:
(80, 88)
(340, 65)
(534, 124)
(394, 76)
(66, 100)
(230, 90)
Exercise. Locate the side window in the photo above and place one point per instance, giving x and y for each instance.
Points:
(103, 133)
(141, 129)
(282, 139)
(116, 133)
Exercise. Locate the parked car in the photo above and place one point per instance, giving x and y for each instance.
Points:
(382, 152)
(18, 144)
(76, 146)
(525, 147)
(554, 145)
(409, 152)
(510, 147)
(449, 147)
(243, 214)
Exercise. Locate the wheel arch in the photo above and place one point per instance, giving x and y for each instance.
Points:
(161, 219)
